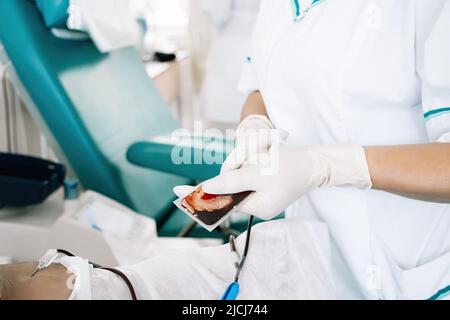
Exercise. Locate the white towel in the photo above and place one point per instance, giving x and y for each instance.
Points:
(108, 22)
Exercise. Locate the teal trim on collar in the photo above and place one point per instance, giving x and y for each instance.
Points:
(295, 9)
(299, 12)
(315, 3)
(436, 112)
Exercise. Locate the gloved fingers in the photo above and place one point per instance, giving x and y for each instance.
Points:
(183, 191)
(234, 160)
(255, 140)
(256, 204)
(252, 141)
(249, 205)
(233, 181)
(243, 154)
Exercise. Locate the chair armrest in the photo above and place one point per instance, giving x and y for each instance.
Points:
(200, 159)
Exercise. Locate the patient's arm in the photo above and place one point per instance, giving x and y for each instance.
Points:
(51, 283)
(287, 260)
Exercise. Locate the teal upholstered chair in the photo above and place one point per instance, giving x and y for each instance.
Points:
(101, 111)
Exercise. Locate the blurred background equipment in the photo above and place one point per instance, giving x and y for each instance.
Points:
(26, 180)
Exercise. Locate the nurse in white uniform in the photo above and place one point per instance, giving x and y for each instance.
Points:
(363, 89)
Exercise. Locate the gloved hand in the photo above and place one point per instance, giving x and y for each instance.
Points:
(183, 191)
(254, 136)
(299, 170)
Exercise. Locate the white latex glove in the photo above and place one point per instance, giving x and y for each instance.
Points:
(183, 191)
(254, 136)
(299, 170)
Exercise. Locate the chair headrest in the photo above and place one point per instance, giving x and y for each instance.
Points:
(54, 12)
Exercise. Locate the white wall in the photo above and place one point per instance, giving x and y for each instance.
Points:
(3, 122)
(19, 132)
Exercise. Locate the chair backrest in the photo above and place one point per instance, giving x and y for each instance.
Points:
(95, 105)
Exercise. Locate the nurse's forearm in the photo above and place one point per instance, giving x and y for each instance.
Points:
(254, 105)
(416, 171)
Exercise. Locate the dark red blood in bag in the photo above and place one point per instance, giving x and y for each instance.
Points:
(206, 202)
(208, 196)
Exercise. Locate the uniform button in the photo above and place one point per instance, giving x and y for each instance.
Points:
(373, 280)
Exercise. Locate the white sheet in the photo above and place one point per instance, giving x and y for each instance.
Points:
(108, 22)
(287, 260)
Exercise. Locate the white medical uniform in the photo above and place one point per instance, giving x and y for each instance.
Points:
(373, 72)
(234, 21)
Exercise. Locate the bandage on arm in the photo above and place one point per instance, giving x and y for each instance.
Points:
(415, 171)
